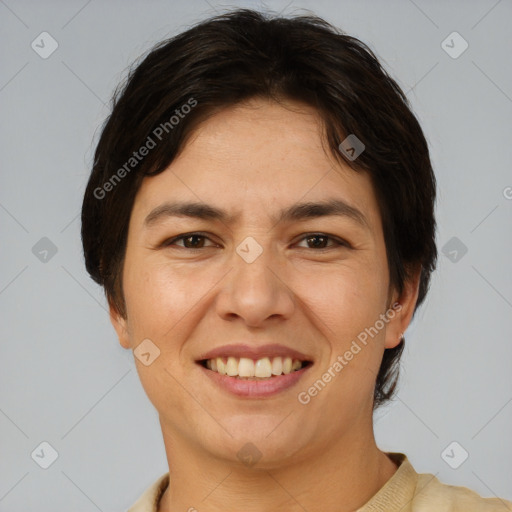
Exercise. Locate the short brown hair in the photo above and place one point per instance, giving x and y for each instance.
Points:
(243, 54)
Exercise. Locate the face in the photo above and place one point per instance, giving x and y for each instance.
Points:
(257, 291)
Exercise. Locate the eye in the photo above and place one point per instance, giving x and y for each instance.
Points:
(196, 241)
(320, 239)
(190, 240)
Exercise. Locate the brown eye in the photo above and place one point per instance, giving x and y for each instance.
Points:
(190, 241)
(193, 241)
(319, 241)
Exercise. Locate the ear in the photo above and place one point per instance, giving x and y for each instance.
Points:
(120, 324)
(403, 307)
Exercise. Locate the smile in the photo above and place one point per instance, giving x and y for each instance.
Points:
(250, 369)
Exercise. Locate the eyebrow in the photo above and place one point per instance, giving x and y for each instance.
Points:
(296, 212)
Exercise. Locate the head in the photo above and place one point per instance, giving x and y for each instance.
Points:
(249, 114)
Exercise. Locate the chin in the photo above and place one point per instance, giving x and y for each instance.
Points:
(262, 443)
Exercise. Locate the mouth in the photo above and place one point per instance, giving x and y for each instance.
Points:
(245, 368)
(254, 373)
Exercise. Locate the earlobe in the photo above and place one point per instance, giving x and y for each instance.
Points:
(120, 325)
(403, 307)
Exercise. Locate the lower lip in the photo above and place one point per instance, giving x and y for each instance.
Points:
(256, 388)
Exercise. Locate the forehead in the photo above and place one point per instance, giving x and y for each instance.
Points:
(258, 157)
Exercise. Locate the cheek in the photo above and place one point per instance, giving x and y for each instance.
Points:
(155, 302)
(347, 297)
(348, 302)
(155, 296)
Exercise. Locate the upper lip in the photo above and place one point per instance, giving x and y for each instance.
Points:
(254, 352)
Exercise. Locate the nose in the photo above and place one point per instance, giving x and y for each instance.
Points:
(256, 292)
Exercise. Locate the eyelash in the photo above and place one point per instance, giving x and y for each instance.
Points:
(338, 242)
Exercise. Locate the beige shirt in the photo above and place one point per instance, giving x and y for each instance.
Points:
(405, 491)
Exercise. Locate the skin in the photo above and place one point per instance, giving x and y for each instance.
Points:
(254, 159)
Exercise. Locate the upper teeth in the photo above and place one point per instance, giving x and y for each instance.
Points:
(245, 367)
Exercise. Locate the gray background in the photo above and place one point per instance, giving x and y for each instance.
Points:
(65, 379)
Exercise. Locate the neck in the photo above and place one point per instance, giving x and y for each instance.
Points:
(336, 479)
